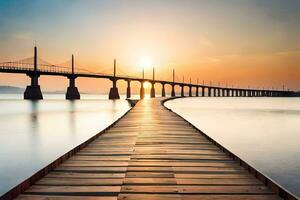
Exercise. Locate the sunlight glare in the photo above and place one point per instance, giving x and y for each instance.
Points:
(146, 63)
(146, 85)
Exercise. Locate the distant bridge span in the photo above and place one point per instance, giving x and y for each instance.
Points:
(34, 71)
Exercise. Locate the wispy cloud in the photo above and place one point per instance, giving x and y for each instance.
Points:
(22, 35)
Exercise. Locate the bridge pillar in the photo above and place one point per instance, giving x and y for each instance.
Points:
(33, 91)
(152, 92)
(173, 91)
(72, 90)
(203, 91)
(227, 92)
(190, 91)
(142, 90)
(163, 91)
(215, 92)
(219, 94)
(264, 93)
(197, 91)
(128, 92)
(209, 91)
(114, 93)
(223, 92)
(182, 90)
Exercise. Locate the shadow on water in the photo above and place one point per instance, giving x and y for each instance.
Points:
(34, 116)
(72, 121)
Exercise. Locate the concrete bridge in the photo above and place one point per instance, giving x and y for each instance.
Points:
(35, 70)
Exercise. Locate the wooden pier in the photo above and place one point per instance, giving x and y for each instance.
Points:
(152, 153)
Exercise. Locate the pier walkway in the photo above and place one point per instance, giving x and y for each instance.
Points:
(151, 153)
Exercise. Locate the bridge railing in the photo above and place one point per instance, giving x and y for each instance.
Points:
(18, 66)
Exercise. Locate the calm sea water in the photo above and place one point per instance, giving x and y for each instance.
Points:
(264, 132)
(33, 134)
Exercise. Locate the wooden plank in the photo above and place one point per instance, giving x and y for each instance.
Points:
(219, 181)
(149, 197)
(229, 197)
(150, 181)
(72, 190)
(59, 175)
(92, 169)
(197, 189)
(55, 197)
(79, 181)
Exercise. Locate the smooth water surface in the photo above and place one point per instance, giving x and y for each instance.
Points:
(33, 134)
(264, 132)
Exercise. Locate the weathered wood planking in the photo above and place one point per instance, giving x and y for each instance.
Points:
(151, 153)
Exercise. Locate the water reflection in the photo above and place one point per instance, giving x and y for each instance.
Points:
(34, 133)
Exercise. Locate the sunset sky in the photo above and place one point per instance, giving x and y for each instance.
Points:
(238, 42)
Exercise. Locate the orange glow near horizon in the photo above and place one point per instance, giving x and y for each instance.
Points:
(203, 40)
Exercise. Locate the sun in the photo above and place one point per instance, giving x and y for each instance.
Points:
(146, 85)
(145, 63)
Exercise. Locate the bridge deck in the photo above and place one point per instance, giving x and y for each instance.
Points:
(151, 153)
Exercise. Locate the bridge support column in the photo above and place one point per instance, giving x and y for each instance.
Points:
(114, 93)
(223, 92)
(219, 94)
(142, 91)
(227, 92)
(182, 90)
(209, 92)
(173, 91)
(72, 90)
(215, 92)
(190, 91)
(33, 91)
(203, 91)
(152, 92)
(128, 92)
(197, 91)
(163, 91)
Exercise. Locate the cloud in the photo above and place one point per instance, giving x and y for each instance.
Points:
(22, 35)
